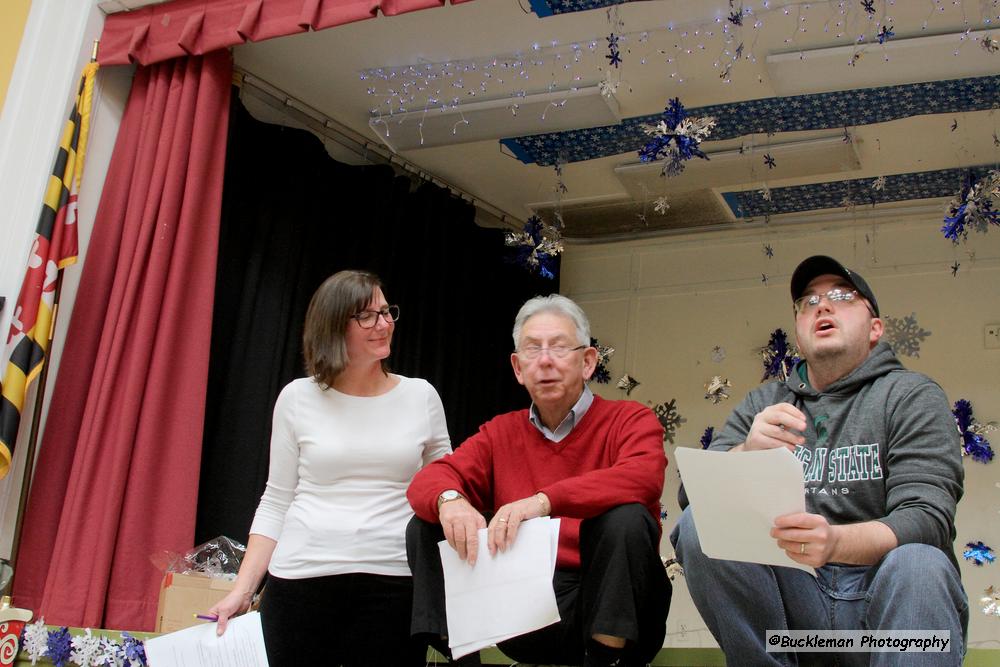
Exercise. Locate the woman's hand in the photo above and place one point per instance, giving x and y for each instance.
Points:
(234, 604)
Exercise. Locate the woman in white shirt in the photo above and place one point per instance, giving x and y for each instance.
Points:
(330, 527)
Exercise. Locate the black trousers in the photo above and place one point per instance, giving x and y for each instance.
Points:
(621, 590)
(354, 620)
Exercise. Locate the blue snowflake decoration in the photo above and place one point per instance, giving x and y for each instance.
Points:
(59, 646)
(885, 34)
(736, 18)
(601, 373)
(614, 56)
(973, 208)
(978, 553)
(974, 443)
(706, 437)
(134, 649)
(779, 357)
(537, 247)
(769, 161)
(675, 138)
(868, 6)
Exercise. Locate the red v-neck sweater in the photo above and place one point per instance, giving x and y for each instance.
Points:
(612, 457)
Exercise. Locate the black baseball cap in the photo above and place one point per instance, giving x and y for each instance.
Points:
(819, 265)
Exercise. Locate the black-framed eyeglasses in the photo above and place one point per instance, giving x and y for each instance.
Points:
(367, 319)
(810, 301)
(533, 352)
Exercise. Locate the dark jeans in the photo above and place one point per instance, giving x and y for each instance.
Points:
(355, 620)
(620, 590)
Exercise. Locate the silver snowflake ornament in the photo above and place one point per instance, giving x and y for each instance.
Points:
(991, 601)
(716, 389)
(628, 383)
(904, 334)
(661, 205)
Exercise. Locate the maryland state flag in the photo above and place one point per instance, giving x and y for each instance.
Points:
(54, 248)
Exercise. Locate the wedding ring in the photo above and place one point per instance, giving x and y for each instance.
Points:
(802, 548)
(502, 520)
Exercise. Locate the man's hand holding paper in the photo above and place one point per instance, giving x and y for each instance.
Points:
(504, 594)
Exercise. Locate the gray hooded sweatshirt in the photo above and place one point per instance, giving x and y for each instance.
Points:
(881, 444)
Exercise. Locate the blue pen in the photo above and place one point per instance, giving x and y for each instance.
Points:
(208, 617)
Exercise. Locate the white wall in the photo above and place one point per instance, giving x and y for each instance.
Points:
(57, 42)
(663, 304)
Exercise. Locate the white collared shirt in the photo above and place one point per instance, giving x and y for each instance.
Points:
(572, 419)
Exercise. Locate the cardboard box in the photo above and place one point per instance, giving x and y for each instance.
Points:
(184, 595)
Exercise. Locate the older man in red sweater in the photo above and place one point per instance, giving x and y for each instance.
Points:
(596, 464)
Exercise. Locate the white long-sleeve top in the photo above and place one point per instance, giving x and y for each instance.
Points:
(335, 499)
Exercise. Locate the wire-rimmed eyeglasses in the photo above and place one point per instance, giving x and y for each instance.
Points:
(532, 352)
(810, 301)
(367, 319)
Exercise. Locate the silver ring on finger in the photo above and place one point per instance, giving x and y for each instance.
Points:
(502, 520)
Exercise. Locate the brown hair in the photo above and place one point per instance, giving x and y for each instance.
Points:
(341, 296)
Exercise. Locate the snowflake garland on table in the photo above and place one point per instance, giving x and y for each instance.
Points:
(601, 373)
(779, 357)
(716, 389)
(675, 138)
(538, 247)
(973, 208)
(905, 335)
(60, 648)
(706, 437)
(627, 383)
(34, 640)
(978, 553)
(991, 601)
(669, 418)
(974, 442)
(85, 649)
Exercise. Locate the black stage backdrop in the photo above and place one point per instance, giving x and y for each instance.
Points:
(292, 216)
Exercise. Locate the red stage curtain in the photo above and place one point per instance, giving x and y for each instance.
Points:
(195, 27)
(117, 476)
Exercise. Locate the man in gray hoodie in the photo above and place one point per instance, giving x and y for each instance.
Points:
(883, 473)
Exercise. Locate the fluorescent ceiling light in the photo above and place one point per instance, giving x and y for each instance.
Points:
(930, 58)
(495, 119)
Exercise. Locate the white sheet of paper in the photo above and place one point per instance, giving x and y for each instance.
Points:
(735, 498)
(502, 596)
(198, 646)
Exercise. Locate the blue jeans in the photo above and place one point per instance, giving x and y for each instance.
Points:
(914, 587)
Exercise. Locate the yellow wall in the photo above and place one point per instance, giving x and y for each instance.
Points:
(13, 15)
